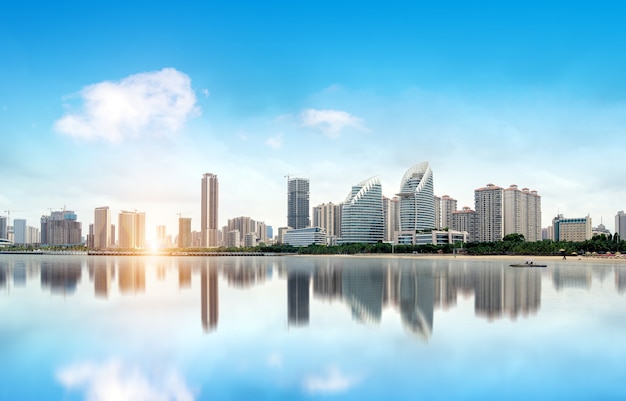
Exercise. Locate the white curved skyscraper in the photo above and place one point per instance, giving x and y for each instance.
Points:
(417, 202)
(362, 216)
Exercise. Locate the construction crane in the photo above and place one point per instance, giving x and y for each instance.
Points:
(8, 212)
(288, 175)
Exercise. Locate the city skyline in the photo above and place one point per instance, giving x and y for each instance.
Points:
(339, 91)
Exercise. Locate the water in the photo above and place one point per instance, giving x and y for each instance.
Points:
(227, 328)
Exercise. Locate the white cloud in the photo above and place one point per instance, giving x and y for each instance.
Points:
(332, 381)
(331, 122)
(149, 103)
(206, 92)
(275, 360)
(275, 142)
(113, 382)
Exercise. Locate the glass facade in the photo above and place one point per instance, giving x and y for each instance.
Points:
(417, 199)
(362, 218)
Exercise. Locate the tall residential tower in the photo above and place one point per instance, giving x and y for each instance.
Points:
(208, 213)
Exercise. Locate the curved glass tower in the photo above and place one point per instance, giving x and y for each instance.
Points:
(417, 202)
(362, 215)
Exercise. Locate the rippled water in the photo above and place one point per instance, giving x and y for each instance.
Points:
(228, 328)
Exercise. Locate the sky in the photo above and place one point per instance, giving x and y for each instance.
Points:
(127, 104)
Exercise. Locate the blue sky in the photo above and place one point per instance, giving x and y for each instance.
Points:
(127, 105)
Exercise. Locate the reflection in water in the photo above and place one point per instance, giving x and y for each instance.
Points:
(362, 290)
(298, 283)
(61, 277)
(367, 286)
(571, 277)
(114, 380)
(132, 276)
(209, 297)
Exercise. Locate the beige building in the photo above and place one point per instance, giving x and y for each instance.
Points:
(572, 229)
(448, 206)
(328, 217)
(102, 228)
(131, 230)
(209, 210)
(522, 213)
(489, 213)
(184, 232)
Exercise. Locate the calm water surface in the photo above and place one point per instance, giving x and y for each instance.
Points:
(227, 328)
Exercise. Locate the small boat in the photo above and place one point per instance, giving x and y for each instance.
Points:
(528, 265)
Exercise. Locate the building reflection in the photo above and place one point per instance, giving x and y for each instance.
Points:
(415, 291)
(209, 297)
(620, 279)
(298, 283)
(571, 277)
(244, 273)
(61, 277)
(103, 276)
(132, 276)
(184, 275)
(362, 290)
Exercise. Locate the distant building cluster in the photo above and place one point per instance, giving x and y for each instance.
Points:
(415, 215)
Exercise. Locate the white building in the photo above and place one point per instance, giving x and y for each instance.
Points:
(362, 218)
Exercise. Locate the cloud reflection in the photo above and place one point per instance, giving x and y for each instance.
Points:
(332, 381)
(112, 381)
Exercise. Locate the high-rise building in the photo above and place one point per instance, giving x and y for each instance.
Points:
(465, 220)
(243, 224)
(620, 224)
(209, 211)
(437, 212)
(61, 228)
(4, 234)
(298, 203)
(448, 206)
(362, 219)
(391, 212)
(417, 202)
(328, 217)
(132, 230)
(489, 213)
(102, 227)
(19, 231)
(184, 232)
(161, 236)
(522, 213)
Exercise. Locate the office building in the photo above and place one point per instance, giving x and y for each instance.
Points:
(209, 211)
(571, 229)
(298, 203)
(489, 213)
(305, 236)
(4, 233)
(437, 212)
(19, 231)
(417, 203)
(362, 219)
(102, 228)
(233, 239)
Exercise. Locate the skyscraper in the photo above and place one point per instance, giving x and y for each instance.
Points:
(61, 228)
(298, 203)
(4, 234)
(102, 227)
(362, 219)
(448, 206)
(417, 202)
(328, 217)
(208, 213)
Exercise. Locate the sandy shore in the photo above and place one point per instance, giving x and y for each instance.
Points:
(509, 258)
